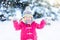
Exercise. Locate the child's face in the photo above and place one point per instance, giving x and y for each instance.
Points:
(28, 18)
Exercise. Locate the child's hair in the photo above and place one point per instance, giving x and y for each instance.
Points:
(21, 19)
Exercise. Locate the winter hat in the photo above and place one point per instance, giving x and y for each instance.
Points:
(27, 12)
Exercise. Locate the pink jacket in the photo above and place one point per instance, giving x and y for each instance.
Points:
(28, 32)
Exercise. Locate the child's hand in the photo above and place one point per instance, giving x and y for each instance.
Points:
(14, 18)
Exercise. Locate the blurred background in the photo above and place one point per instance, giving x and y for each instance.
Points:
(47, 9)
(40, 8)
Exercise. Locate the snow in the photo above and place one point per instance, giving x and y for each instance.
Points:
(7, 31)
(49, 32)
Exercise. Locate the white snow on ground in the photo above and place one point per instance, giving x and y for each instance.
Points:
(7, 31)
(49, 32)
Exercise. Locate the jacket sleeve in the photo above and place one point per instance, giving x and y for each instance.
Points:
(17, 25)
(41, 25)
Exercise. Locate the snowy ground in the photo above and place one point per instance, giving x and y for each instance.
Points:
(52, 32)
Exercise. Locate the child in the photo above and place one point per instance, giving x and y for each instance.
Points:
(28, 26)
